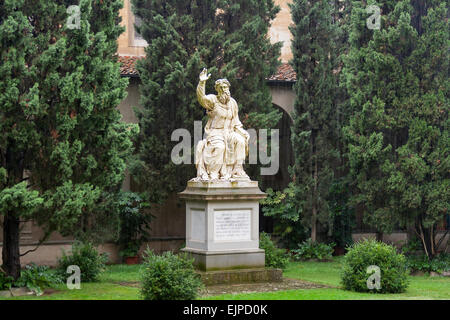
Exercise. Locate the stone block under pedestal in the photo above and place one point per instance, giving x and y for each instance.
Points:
(222, 224)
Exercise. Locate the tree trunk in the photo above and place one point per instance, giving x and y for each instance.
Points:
(11, 249)
(379, 236)
(314, 224)
(11, 223)
(314, 207)
(426, 236)
(428, 243)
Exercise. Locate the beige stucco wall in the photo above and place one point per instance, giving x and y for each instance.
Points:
(132, 100)
(126, 47)
(49, 253)
(400, 238)
(279, 30)
(284, 97)
(126, 109)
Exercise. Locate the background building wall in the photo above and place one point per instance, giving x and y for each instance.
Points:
(126, 45)
(279, 32)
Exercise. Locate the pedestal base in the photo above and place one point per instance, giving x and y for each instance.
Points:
(222, 224)
(223, 260)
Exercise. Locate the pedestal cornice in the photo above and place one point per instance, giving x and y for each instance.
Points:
(222, 190)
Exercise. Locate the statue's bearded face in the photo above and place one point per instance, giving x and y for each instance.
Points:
(223, 93)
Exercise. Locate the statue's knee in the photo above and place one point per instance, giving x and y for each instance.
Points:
(220, 146)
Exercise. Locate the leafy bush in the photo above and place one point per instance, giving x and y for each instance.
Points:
(313, 250)
(412, 247)
(36, 278)
(275, 257)
(87, 258)
(6, 282)
(393, 272)
(421, 263)
(169, 277)
(134, 223)
(285, 209)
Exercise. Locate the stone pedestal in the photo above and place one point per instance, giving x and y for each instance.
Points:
(222, 224)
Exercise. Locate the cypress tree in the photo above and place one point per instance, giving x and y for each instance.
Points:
(228, 37)
(397, 80)
(314, 132)
(63, 145)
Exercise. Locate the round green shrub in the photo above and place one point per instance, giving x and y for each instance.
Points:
(362, 255)
(87, 258)
(275, 257)
(169, 277)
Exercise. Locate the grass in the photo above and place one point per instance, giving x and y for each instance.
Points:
(108, 288)
(121, 272)
(318, 272)
(90, 291)
(328, 273)
(119, 282)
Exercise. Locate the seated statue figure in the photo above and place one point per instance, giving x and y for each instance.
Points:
(221, 155)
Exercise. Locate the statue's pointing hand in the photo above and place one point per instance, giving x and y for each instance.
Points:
(204, 75)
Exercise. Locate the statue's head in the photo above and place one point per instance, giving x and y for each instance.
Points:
(222, 87)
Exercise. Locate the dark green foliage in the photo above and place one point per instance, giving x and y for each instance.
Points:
(6, 281)
(308, 250)
(397, 80)
(87, 258)
(412, 247)
(36, 278)
(418, 261)
(421, 263)
(361, 255)
(284, 208)
(315, 131)
(59, 92)
(275, 257)
(169, 277)
(229, 37)
(134, 223)
(342, 215)
(103, 220)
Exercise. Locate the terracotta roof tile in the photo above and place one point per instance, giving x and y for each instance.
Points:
(285, 72)
(128, 68)
(128, 65)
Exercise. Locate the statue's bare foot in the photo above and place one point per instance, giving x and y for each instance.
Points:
(226, 177)
(203, 177)
(214, 177)
(239, 173)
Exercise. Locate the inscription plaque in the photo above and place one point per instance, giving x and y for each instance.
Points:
(232, 225)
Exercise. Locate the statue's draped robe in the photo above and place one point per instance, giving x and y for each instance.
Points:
(225, 144)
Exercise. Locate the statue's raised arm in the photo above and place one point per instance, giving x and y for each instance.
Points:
(207, 102)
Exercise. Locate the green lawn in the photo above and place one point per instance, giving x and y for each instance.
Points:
(117, 284)
(109, 287)
(328, 273)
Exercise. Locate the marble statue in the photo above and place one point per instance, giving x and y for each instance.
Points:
(221, 155)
